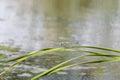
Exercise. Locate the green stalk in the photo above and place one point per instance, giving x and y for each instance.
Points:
(96, 47)
(55, 67)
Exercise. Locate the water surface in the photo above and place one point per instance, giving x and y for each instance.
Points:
(35, 24)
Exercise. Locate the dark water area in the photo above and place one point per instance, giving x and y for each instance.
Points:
(36, 24)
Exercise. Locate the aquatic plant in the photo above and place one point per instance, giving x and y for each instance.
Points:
(7, 48)
(97, 52)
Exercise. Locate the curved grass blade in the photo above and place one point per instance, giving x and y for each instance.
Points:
(93, 53)
(33, 53)
(98, 61)
(68, 66)
(96, 47)
(72, 65)
(17, 58)
(55, 67)
(46, 50)
(29, 54)
(104, 55)
(22, 58)
(64, 67)
(113, 59)
(42, 51)
(11, 66)
(49, 50)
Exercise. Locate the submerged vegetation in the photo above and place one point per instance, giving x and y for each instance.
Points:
(92, 51)
(2, 47)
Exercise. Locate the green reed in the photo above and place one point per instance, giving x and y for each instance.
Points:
(60, 66)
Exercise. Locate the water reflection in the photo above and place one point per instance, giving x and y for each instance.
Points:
(35, 24)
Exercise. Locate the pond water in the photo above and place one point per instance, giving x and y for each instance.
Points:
(35, 24)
